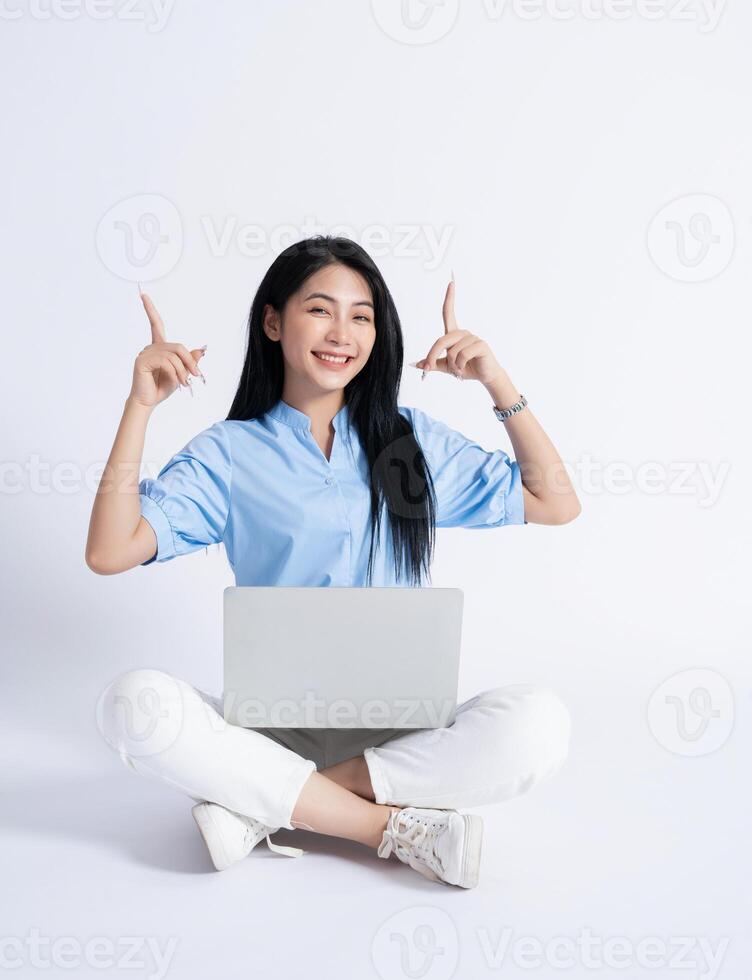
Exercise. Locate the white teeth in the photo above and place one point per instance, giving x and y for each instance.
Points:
(330, 357)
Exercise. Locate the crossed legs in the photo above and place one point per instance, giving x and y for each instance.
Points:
(327, 805)
(502, 742)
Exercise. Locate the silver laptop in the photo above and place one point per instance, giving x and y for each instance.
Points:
(341, 657)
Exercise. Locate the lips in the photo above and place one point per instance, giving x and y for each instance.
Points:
(327, 361)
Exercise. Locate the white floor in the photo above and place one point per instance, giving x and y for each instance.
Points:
(630, 860)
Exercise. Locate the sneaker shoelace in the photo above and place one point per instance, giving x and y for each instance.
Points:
(257, 830)
(412, 839)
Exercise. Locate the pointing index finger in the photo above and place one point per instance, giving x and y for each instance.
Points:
(447, 311)
(157, 326)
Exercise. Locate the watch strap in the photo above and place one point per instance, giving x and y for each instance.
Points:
(506, 413)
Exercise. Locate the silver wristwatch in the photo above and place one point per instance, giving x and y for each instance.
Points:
(506, 413)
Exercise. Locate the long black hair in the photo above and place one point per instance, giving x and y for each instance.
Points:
(399, 473)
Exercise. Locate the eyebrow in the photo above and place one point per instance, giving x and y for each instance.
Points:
(331, 299)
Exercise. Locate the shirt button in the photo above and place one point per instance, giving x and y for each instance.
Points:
(329, 481)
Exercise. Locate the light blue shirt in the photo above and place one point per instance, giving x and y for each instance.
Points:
(289, 517)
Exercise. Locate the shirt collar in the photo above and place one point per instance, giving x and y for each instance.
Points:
(283, 412)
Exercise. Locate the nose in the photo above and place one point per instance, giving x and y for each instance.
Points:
(338, 334)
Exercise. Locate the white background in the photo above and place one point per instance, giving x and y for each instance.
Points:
(558, 159)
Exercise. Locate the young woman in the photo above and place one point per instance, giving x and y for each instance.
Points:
(317, 477)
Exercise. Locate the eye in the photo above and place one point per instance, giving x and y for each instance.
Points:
(320, 309)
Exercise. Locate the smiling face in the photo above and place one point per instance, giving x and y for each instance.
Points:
(332, 313)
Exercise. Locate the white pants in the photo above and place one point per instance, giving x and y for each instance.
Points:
(502, 742)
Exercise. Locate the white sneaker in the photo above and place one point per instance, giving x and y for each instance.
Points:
(442, 845)
(230, 836)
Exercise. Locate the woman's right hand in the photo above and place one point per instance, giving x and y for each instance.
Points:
(161, 367)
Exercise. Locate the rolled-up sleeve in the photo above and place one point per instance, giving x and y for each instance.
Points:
(475, 487)
(188, 503)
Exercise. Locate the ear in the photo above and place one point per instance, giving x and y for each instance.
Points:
(271, 322)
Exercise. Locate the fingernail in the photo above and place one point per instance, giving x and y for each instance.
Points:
(413, 363)
(452, 271)
(203, 348)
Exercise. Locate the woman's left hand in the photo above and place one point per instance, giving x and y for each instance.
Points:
(467, 356)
